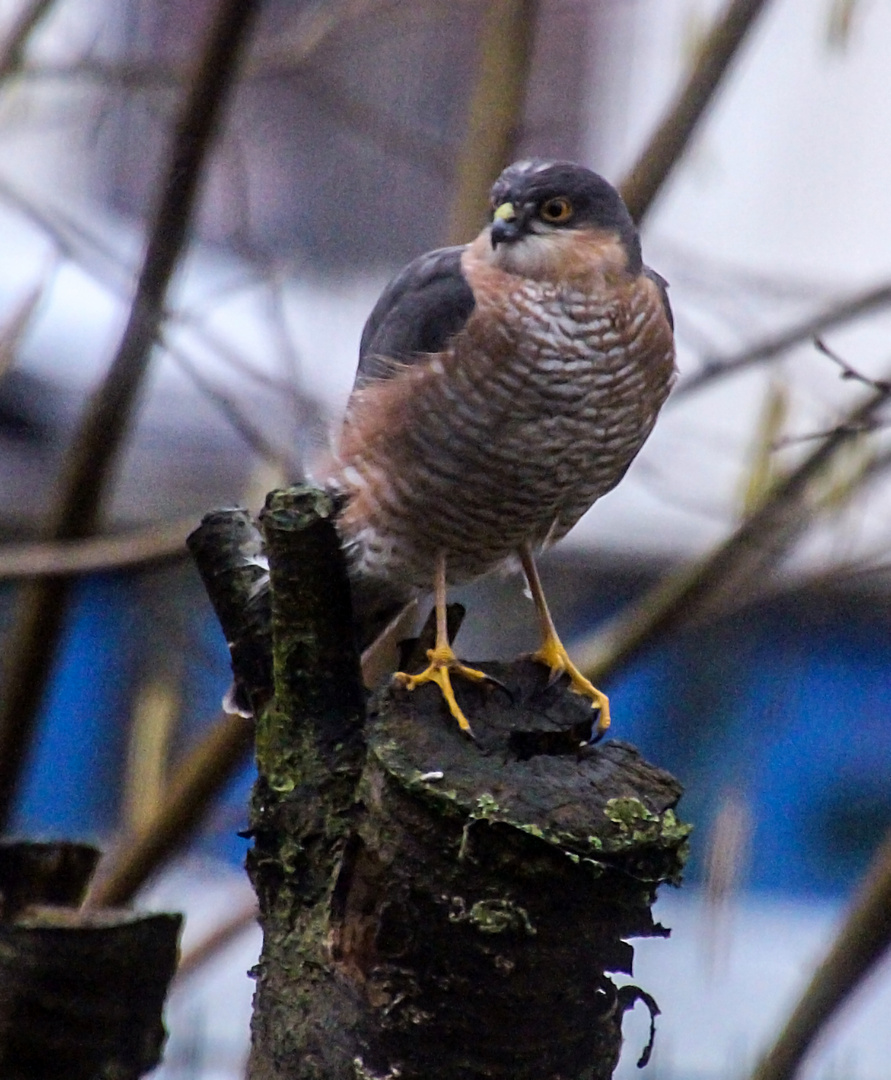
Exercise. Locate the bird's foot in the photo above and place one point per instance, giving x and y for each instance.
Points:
(443, 665)
(554, 655)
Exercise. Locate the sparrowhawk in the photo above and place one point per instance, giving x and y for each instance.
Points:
(502, 388)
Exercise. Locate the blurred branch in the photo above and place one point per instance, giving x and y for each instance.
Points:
(37, 627)
(277, 59)
(71, 239)
(217, 939)
(669, 141)
(862, 941)
(763, 469)
(196, 782)
(715, 368)
(726, 858)
(13, 48)
(496, 110)
(229, 553)
(841, 21)
(155, 716)
(251, 433)
(847, 371)
(428, 150)
(45, 558)
(12, 332)
(852, 375)
(683, 595)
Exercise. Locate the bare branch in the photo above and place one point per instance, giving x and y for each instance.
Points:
(39, 618)
(668, 143)
(251, 433)
(70, 238)
(838, 429)
(861, 943)
(774, 346)
(849, 372)
(64, 557)
(16, 326)
(196, 782)
(496, 109)
(217, 939)
(12, 50)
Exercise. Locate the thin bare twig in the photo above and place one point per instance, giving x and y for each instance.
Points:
(12, 50)
(251, 433)
(69, 237)
(36, 630)
(668, 143)
(774, 346)
(837, 429)
(849, 372)
(860, 944)
(44, 558)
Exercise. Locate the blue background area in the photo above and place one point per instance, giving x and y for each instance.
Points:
(788, 705)
(71, 787)
(73, 784)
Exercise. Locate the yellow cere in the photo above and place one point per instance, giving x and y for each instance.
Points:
(505, 212)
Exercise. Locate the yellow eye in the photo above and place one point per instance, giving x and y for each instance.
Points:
(556, 211)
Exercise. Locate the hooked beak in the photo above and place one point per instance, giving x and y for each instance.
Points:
(505, 227)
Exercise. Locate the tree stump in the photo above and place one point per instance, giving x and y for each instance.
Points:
(436, 907)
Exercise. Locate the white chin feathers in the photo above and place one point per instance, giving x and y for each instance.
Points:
(534, 255)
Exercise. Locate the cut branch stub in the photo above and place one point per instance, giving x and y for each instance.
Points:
(229, 552)
(309, 750)
(49, 873)
(81, 993)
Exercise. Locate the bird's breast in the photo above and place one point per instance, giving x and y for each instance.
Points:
(535, 410)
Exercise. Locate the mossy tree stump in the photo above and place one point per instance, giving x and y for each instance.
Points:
(434, 907)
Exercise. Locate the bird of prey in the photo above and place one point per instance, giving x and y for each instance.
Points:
(502, 388)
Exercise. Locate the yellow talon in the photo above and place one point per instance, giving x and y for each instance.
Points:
(554, 655)
(443, 664)
(552, 651)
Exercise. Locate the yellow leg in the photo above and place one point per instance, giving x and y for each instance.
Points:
(443, 662)
(552, 651)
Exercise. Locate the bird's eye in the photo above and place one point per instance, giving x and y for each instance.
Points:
(556, 211)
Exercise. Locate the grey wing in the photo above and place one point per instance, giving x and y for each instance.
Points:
(422, 307)
(663, 291)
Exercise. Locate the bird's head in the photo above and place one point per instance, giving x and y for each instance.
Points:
(542, 210)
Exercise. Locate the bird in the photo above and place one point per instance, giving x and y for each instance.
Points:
(503, 386)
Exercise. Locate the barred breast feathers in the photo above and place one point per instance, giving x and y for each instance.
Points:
(571, 359)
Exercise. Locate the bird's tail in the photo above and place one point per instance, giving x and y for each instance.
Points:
(376, 603)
